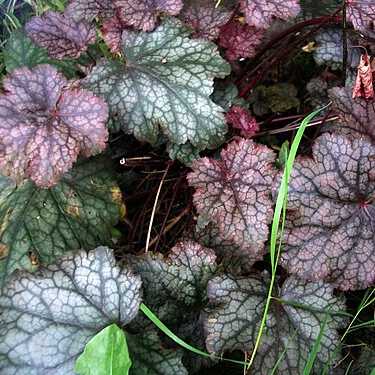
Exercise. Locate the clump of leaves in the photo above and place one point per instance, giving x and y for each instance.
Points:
(234, 192)
(331, 210)
(45, 123)
(240, 118)
(293, 322)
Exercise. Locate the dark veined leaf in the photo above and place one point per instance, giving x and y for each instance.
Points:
(292, 327)
(330, 224)
(112, 29)
(240, 118)
(185, 153)
(164, 86)
(205, 18)
(261, 13)
(45, 124)
(151, 358)
(106, 353)
(21, 51)
(239, 40)
(60, 35)
(39, 225)
(361, 13)
(175, 283)
(356, 115)
(329, 49)
(234, 258)
(234, 192)
(143, 14)
(226, 95)
(90, 9)
(48, 317)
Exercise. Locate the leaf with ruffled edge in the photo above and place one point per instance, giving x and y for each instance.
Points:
(234, 192)
(232, 257)
(150, 357)
(164, 86)
(261, 13)
(48, 317)
(176, 282)
(45, 124)
(356, 115)
(60, 35)
(239, 40)
(89, 9)
(330, 222)
(39, 225)
(361, 13)
(240, 118)
(112, 29)
(205, 18)
(143, 14)
(292, 326)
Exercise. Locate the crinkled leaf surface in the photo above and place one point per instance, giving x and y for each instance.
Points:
(261, 13)
(164, 86)
(234, 192)
(292, 326)
(331, 220)
(21, 51)
(329, 49)
(226, 94)
(240, 118)
(185, 153)
(143, 14)
(356, 115)
(60, 35)
(362, 15)
(232, 257)
(112, 30)
(180, 280)
(48, 317)
(45, 125)
(38, 225)
(106, 353)
(151, 358)
(239, 40)
(89, 9)
(205, 18)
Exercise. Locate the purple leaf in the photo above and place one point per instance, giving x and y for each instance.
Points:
(45, 124)
(361, 13)
(261, 13)
(356, 115)
(234, 192)
(240, 118)
(60, 35)
(143, 14)
(112, 30)
(239, 40)
(89, 9)
(205, 18)
(330, 229)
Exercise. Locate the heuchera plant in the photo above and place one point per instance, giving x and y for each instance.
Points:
(217, 86)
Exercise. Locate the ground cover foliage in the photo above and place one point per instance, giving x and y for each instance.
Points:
(142, 149)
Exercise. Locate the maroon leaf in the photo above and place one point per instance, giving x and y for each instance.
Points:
(45, 124)
(240, 118)
(240, 40)
(261, 13)
(89, 9)
(234, 192)
(330, 229)
(112, 30)
(205, 18)
(143, 14)
(60, 35)
(356, 115)
(361, 13)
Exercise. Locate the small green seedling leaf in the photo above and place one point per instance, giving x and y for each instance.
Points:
(105, 353)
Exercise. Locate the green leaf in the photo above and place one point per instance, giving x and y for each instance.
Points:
(105, 353)
(21, 51)
(37, 225)
(164, 86)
